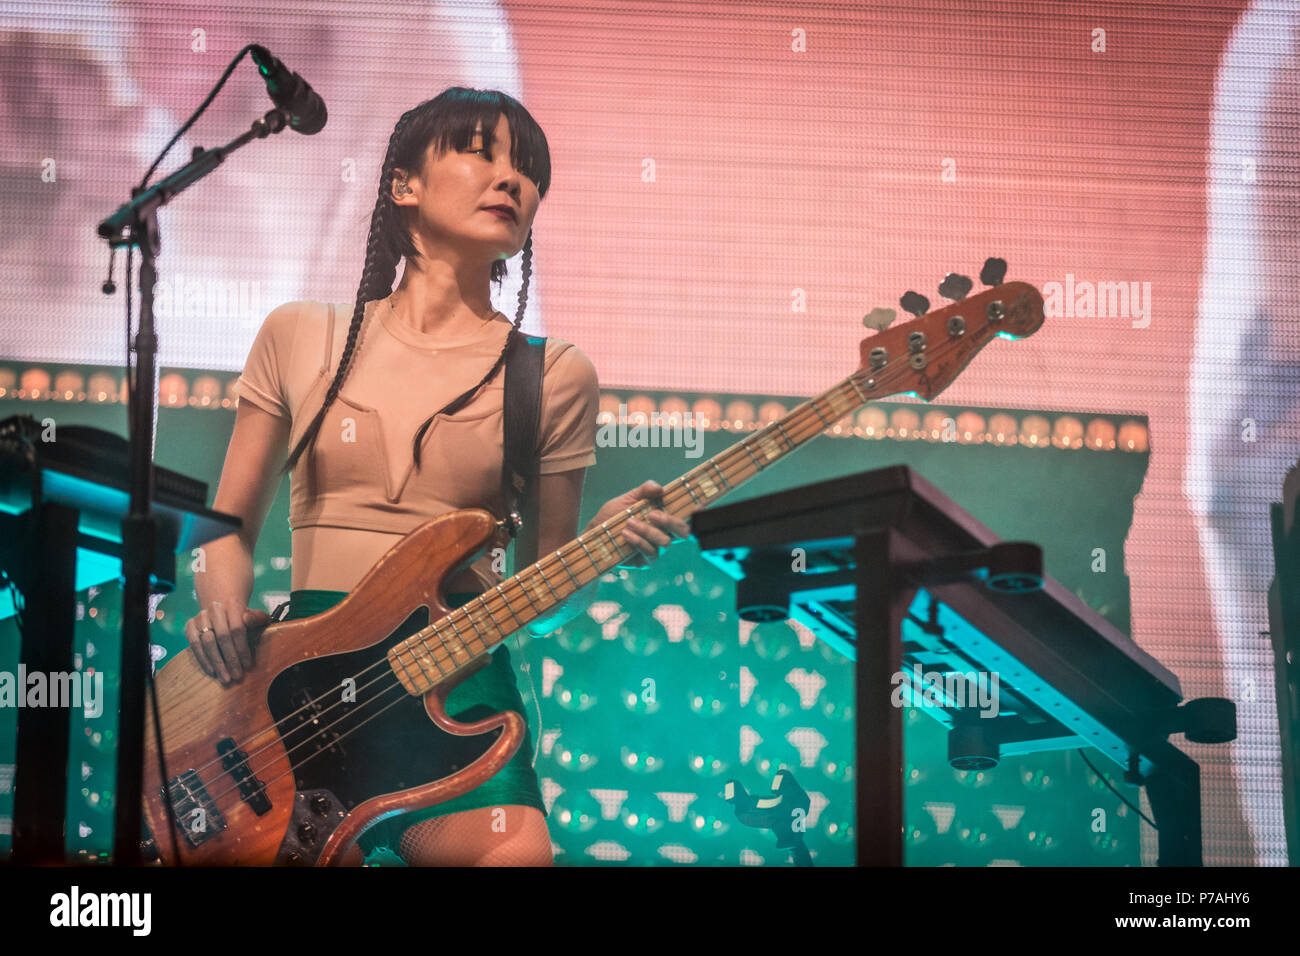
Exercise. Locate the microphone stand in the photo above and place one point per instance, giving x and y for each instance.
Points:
(139, 220)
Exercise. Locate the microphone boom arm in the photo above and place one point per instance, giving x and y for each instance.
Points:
(202, 162)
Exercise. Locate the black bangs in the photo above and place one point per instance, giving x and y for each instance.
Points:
(449, 121)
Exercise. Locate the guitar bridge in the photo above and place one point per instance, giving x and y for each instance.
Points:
(197, 816)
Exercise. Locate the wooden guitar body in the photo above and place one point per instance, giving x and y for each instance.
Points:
(320, 741)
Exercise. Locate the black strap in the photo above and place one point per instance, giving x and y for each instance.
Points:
(520, 424)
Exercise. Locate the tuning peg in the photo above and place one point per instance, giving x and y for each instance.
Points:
(915, 303)
(994, 271)
(879, 319)
(954, 286)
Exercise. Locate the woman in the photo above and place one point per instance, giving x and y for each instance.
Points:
(461, 183)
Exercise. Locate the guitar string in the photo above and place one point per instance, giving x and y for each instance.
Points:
(679, 494)
(808, 408)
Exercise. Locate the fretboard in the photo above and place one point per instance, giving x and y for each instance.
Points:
(432, 654)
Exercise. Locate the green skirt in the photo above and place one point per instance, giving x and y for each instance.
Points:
(490, 691)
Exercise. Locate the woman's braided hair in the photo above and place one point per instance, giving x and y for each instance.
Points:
(450, 120)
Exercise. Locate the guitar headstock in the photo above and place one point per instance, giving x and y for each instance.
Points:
(923, 356)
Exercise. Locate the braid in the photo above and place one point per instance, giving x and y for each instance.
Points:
(376, 282)
(464, 397)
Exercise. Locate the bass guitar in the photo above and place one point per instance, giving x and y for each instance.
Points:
(297, 760)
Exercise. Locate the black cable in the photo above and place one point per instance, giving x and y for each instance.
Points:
(196, 114)
(1114, 791)
(144, 183)
(162, 763)
(130, 322)
(130, 394)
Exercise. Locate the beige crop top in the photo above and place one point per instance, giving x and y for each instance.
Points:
(360, 473)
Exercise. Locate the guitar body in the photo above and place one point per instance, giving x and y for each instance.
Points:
(319, 741)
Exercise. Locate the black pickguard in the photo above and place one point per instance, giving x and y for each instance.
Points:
(395, 749)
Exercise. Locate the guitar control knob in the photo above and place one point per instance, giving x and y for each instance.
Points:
(306, 834)
(319, 805)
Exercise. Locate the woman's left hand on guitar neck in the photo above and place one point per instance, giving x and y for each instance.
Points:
(649, 536)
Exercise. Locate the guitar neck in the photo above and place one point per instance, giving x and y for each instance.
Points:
(929, 352)
(477, 627)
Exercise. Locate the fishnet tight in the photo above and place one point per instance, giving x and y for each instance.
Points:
(468, 839)
(509, 835)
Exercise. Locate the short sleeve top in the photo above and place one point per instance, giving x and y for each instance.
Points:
(360, 473)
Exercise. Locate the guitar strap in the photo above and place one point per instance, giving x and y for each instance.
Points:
(521, 417)
(520, 423)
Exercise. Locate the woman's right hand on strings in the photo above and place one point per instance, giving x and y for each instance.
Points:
(218, 635)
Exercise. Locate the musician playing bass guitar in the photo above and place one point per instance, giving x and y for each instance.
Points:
(343, 406)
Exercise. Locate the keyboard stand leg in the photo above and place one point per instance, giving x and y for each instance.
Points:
(1175, 796)
(879, 790)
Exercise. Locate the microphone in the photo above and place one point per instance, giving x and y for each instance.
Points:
(290, 92)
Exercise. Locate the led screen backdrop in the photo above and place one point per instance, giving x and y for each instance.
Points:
(735, 186)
